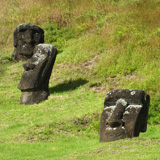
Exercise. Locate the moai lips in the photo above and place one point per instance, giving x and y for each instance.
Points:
(35, 78)
(26, 37)
(125, 114)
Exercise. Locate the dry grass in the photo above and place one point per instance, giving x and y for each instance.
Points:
(67, 12)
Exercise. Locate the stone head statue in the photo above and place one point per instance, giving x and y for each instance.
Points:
(125, 114)
(35, 78)
(26, 37)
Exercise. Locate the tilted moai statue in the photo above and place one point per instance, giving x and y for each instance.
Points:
(125, 114)
(35, 78)
(26, 37)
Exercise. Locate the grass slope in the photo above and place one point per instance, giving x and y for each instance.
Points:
(102, 45)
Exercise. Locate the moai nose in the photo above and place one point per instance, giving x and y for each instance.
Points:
(28, 40)
(29, 36)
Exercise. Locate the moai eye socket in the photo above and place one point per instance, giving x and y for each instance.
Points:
(20, 36)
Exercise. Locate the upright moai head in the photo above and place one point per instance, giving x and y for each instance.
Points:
(125, 114)
(35, 78)
(26, 37)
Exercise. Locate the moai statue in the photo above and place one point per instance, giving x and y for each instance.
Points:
(26, 37)
(125, 114)
(36, 75)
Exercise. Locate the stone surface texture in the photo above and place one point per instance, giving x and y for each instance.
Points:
(26, 37)
(35, 78)
(125, 114)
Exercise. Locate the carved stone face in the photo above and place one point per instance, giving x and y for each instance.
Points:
(125, 114)
(37, 60)
(37, 71)
(26, 37)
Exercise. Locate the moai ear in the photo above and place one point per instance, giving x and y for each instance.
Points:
(15, 40)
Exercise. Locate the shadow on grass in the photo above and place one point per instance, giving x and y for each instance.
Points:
(68, 85)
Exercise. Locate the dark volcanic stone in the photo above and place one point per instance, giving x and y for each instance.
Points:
(125, 114)
(36, 75)
(26, 37)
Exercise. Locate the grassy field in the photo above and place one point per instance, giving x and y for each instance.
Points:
(102, 45)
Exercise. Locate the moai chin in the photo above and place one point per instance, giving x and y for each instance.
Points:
(26, 37)
(125, 114)
(35, 78)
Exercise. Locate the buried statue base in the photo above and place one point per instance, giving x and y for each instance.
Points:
(125, 114)
(31, 97)
(35, 78)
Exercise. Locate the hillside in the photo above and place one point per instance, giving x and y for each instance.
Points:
(102, 45)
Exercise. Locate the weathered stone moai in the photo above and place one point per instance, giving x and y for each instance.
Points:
(26, 37)
(125, 114)
(36, 75)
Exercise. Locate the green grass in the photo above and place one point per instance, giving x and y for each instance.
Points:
(65, 126)
(102, 45)
(84, 149)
